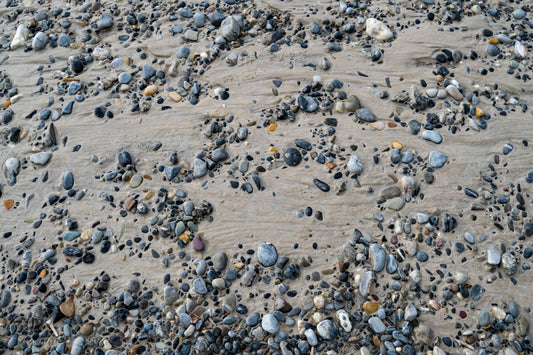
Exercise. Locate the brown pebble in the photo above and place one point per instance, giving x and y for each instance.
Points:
(68, 308)
(86, 329)
(150, 90)
(370, 307)
(130, 204)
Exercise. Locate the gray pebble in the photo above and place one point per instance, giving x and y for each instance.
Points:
(365, 115)
(171, 295)
(40, 158)
(105, 22)
(326, 329)
(377, 257)
(199, 286)
(307, 103)
(124, 78)
(432, 136)
(267, 254)
(437, 159)
(270, 324)
(68, 180)
(220, 261)
(200, 168)
(230, 28)
(377, 325)
(40, 41)
(219, 155)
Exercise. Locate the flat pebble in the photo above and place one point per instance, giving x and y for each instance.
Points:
(267, 254)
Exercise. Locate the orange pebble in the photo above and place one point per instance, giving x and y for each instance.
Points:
(43, 273)
(391, 124)
(331, 165)
(397, 145)
(272, 150)
(8, 204)
(493, 40)
(185, 238)
(7, 104)
(479, 112)
(272, 127)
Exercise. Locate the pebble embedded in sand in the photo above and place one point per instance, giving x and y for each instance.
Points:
(150, 90)
(377, 29)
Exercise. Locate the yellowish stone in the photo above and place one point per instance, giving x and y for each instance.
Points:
(370, 307)
(380, 126)
(150, 90)
(397, 145)
(175, 96)
(218, 113)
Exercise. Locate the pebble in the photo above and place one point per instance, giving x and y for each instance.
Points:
(171, 294)
(494, 256)
(355, 165)
(68, 180)
(220, 261)
(78, 346)
(105, 22)
(377, 325)
(199, 168)
(365, 282)
(311, 337)
(344, 319)
(437, 159)
(40, 41)
(509, 263)
(396, 203)
(40, 158)
(507, 148)
(230, 28)
(469, 238)
(519, 50)
(267, 254)
(410, 312)
(124, 78)
(432, 136)
(365, 115)
(390, 192)
(150, 90)
(454, 92)
(199, 286)
(197, 243)
(326, 329)
(321, 185)
(124, 159)
(377, 29)
(21, 35)
(292, 156)
(307, 103)
(270, 324)
(377, 257)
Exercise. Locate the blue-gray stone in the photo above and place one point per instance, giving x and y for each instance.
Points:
(78, 346)
(64, 40)
(199, 19)
(124, 159)
(270, 324)
(326, 329)
(183, 52)
(5, 300)
(493, 50)
(105, 22)
(311, 337)
(267, 254)
(124, 78)
(216, 18)
(71, 251)
(432, 136)
(252, 320)
(68, 180)
(45, 114)
(177, 29)
(377, 257)
(219, 155)
(185, 320)
(519, 14)
(395, 156)
(307, 103)
(292, 156)
(74, 87)
(476, 292)
(199, 286)
(437, 159)
(392, 265)
(183, 12)
(148, 71)
(484, 318)
(414, 126)
(507, 148)
(315, 28)
(172, 171)
(513, 309)
(199, 168)
(422, 256)
(71, 235)
(365, 115)
(407, 157)
(49, 253)
(470, 238)
(230, 28)
(410, 312)
(170, 294)
(377, 325)
(40, 158)
(529, 177)
(334, 47)
(40, 41)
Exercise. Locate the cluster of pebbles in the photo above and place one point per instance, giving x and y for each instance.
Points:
(378, 293)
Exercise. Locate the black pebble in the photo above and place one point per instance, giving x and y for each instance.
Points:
(100, 111)
(77, 66)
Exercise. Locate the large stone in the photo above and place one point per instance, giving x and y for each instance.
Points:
(377, 257)
(355, 165)
(365, 115)
(39, 41)
(437, 159)
(21, 35)
(267, 254)
(326, 329)
(270, 324)
(40, 158)
(377, 29)
(230, 28)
